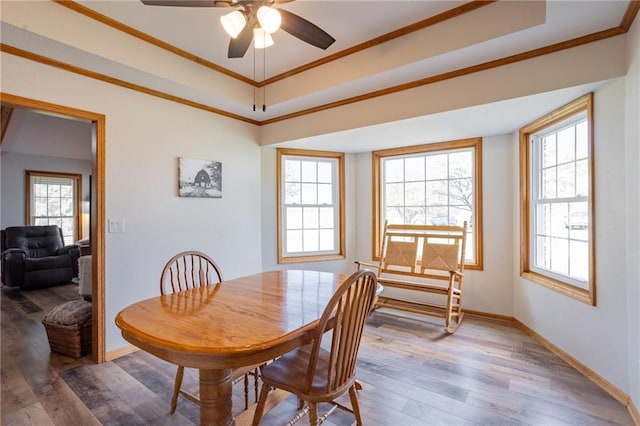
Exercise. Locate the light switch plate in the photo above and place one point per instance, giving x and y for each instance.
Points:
(116, 225)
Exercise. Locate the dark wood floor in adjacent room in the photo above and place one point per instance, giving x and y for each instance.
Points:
(488, 373)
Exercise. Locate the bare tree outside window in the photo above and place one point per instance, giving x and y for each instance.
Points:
(434, 184)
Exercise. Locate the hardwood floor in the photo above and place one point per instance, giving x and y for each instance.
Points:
(488, 373)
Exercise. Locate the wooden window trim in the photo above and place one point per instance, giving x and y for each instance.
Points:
(78, 184)
(376, 156)
(280, 152)
(584, 103)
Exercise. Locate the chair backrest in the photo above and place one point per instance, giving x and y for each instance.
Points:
(423, 250)
(188, 269)
(345, 316)
(37, 240)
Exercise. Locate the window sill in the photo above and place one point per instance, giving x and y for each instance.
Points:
(579, 294)
(310, 258)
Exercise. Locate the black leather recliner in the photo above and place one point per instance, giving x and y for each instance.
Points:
(35, 257)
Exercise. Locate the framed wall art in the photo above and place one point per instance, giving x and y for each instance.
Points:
(200, 178)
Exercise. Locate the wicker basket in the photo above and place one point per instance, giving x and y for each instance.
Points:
(72, 339)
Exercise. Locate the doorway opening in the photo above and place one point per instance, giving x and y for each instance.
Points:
(96, 201)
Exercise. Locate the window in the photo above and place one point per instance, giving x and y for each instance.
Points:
(53, 199)
(310, 205)
(556, 178)
(434, 184)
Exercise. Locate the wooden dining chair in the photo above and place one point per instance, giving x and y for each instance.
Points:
(315, 374)
(188, 270)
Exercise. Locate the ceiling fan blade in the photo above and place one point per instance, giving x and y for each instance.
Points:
(180, 3)
(305, 30)
(238, 46)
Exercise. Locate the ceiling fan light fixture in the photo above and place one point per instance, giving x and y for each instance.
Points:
(233, 23)
(269, 19)
(261, 39)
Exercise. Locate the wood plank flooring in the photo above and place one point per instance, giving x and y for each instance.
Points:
(488, 373)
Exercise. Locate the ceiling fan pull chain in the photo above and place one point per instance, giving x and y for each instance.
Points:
(254, 79)
(264, 78)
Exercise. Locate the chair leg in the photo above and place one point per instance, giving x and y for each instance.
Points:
(257, 415)
(355, 405)
(256, 382)
(449, 306)
(313, 414)
(246, 391)
(176, 388)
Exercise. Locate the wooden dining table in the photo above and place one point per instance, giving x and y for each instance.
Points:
(236, 323)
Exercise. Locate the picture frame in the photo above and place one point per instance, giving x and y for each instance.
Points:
(199, 178)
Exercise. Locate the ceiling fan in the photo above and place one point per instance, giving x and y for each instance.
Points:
(256, 19)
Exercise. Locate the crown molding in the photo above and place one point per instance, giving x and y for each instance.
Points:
(624, 26)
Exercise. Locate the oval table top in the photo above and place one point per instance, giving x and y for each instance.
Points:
(235, 323)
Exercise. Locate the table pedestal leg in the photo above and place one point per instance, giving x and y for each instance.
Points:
(215, 397)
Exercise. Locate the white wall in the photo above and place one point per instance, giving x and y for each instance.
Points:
(595, 336)
(13, 167)
(488, 290)
(632, 196)
(269, 219)
(145, 137)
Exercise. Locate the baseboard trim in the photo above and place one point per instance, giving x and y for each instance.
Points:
(486, 315)
(633, 410)
(610, 388)
(117, 353)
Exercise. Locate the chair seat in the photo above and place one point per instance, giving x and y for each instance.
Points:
(289, 372)
(49, 262)
(242, 371)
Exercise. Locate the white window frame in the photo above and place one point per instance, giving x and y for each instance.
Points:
(531, 187)
(379, 180)
(336, 159)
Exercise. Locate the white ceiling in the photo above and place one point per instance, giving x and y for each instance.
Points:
(198, 32)
(33, 133)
